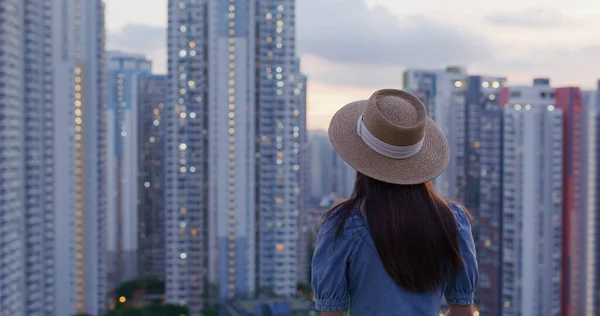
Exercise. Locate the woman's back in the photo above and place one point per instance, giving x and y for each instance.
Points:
(394, 247)
(348, 273)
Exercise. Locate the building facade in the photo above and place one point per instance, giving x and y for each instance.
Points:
(186, 135)
(278, 127)
(483, 195)
(123, 80)
(589, 188)
(532, 202)
(89, 107)
(321, 158)
(575, 236)
(444, 94)
(233, 115)
(38, 160)
(12, 294)
(53, 145)
(151, 143)
(593, 189)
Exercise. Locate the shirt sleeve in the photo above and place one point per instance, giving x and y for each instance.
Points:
(329, 265)
(460, 290)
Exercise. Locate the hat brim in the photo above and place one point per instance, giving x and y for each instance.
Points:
(426, 165)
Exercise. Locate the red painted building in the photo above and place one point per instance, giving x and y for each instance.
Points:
(573, 244)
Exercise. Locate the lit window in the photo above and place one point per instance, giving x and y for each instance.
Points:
(183, 255)
(192, 115)
(182, 146)
(485, 84)
(182, 53)
(496, 84)
(279, 247)
(147, 184)
(269, 16)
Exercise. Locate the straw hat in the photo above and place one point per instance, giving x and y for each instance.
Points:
(390, 138)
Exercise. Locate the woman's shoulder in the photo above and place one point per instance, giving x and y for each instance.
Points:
(352, 219)
(460, 213)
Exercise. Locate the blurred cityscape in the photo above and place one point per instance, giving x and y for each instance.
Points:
(200, 191)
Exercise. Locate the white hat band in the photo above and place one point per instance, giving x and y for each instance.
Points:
(391, 151)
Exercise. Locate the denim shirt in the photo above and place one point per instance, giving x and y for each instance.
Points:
(351, 275)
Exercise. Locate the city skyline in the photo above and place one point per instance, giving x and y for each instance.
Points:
(234, 119)
(522, 41)
(204, 176)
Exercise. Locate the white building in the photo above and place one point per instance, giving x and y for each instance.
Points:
(233, 150)
(532, 203)
(52, 207)
(124, 76)
(12, 294)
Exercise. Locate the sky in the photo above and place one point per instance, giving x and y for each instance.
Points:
(350, 48)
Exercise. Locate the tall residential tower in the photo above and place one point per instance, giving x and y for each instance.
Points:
(53, 201)
(532, 201)
(233, 150)
(151, 178)
(123, 120)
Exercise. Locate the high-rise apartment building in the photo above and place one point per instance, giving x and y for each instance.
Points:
(593, 184)
(589, 188)
(278, 127)
(123, 119)
(327, 173)
(90, 165)
(483, 194)
(321, 159)
(233, 150)
(12, 294)
(151, 142)
(444, 94)
(575, 237)
(53, 145)
(186, 157)
(532, 201)
(302, 195)
(38, 159)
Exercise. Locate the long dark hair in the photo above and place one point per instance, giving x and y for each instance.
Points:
(414, 231)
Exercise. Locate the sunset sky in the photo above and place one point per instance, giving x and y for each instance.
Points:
(349, 48)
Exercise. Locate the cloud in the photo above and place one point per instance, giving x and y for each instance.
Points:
(140, 38)
(531, 18)
(350, 31)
